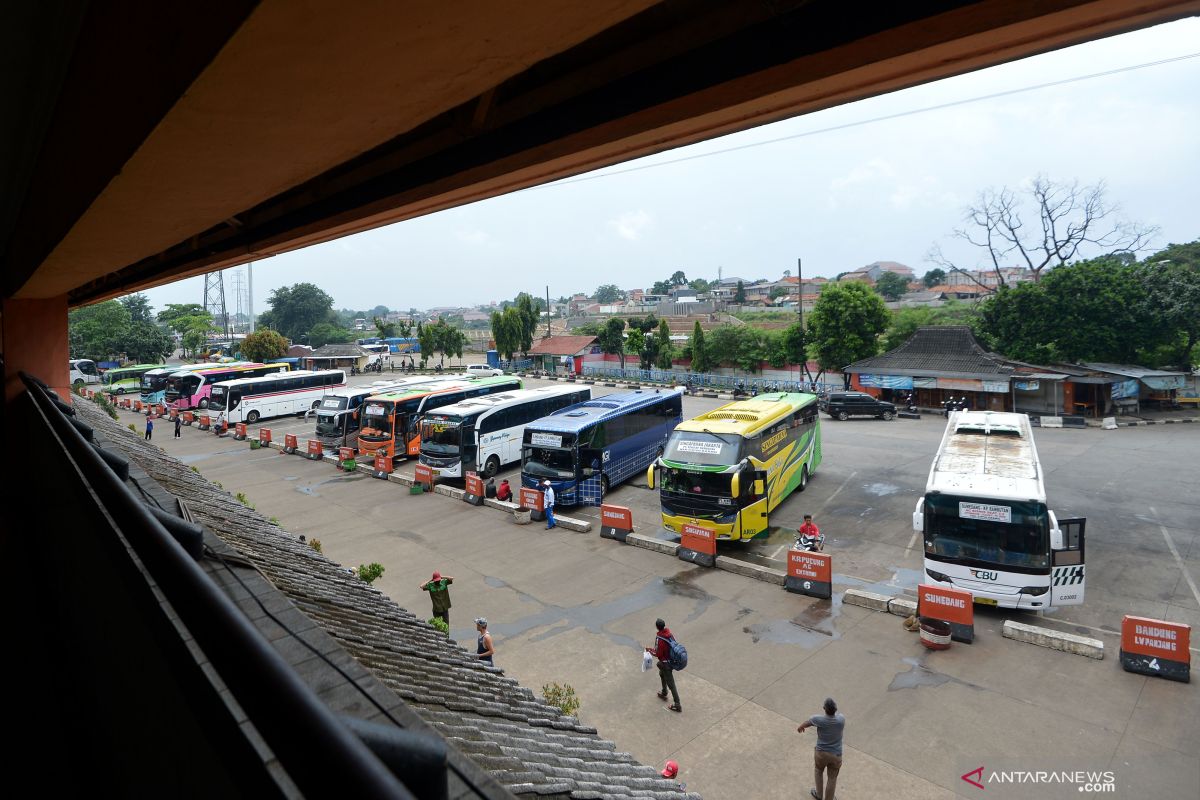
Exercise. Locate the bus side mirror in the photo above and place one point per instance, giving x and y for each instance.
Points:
(760, 487)
(735, 485)
(919, 516)
(650, 477)
(1056, 539)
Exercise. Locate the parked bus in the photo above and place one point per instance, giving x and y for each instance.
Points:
(585, 449)
(190, 389)
(728, 468)
(252, 399)
(340, 414)
(484, 433)
(986, 525)
(390, 424)
(83, 372)
(126, 379)
(154, 382)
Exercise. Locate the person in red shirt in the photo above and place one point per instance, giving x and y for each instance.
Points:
(809, 530)
(662, 652)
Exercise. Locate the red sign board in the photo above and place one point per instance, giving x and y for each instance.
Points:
(383, 464)
(137, 405)
(616, 517)
(314, 448)
(532, 498)
(948, 605)
(205, 420)
(188, 417)
(474, 484)
(1156, 638)
(345, 454)
(424, 475)
(808, 566)
(240, 430)
(264, 436)
(699, 539)
(289, 441)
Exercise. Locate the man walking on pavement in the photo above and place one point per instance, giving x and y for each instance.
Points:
(827, 755)
(149, 427)
(439, 592)
(549, 504)
(662, 652)
(178, 424)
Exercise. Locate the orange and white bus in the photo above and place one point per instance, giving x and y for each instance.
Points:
(390, 424)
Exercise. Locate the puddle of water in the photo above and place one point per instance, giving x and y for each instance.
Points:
(881, 489)
(311, 489)
(786, 632)
(901, 579)
(919, 675)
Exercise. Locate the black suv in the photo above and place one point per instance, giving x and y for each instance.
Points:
(841, 405)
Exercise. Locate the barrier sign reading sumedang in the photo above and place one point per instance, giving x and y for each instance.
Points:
(1156, 647)
(616, 522)
(698, 545)
(955, 606)
(809, 573)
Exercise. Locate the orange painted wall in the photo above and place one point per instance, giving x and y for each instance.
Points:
(35, 341)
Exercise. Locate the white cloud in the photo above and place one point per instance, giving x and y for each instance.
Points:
(631, 224)
(475, 237)
(871, 171)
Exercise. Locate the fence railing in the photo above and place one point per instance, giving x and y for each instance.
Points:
(706, 380)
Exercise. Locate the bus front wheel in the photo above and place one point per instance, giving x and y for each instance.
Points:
(203, 403)
(491, 467)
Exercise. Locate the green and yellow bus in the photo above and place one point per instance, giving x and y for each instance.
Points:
(126, 379)
(727, 469)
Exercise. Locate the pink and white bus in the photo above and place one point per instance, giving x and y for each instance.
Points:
(192, 389)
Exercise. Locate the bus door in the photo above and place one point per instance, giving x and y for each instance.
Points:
(1067, 564)
(749, 489)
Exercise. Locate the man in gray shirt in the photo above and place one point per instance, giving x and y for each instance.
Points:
(827, 755)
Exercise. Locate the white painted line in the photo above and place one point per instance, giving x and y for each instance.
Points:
(911, 541)
(838, 490)
(774, 556)
(1175, 552)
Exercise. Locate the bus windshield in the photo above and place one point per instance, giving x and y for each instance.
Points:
(329, 423)
(1001, 532)
(549, 462)
(222, 399)
(376, 426)
(182, 386)
(705, 449)
(441, 435)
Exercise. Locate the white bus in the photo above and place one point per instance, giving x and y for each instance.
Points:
(380, 356)
(484, 433)
(252, 399)
(986, 525)
(340, 413)
(83, 372)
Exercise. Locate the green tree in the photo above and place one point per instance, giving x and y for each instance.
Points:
(97, 331)
(425, 339)
(700, 285)
(324, 333)
(635, 344)
(1172, 280)
(891, 286)
(608, 293)
(139, 308)
(296, 310)
(934, 277)
(176, 311)
(404, 328)
(143, 342)
(699, 348)
(263, 345)
(905, 321)
(739, 296)
(446, 340)
(195, 337)
(664, 347)
(678, 278)
(778, 292)
(845, 324)
(529, 319)
(661, 287)
(612, 338)
(741, 346)
(505, 327)
(794, 344)
(386, 329)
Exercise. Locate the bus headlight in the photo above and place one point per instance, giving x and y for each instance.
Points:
(937, 576)
(1036, 591)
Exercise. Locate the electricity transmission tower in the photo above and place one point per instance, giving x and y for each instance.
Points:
(214, 299)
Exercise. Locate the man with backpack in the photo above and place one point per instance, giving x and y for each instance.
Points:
(671, 656)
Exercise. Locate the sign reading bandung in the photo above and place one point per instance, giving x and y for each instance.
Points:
(686, 446)
(985, 512)
(545, 439)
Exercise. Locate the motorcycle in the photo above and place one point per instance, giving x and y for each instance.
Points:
(810, 544)
(909, 404)
(354, 369)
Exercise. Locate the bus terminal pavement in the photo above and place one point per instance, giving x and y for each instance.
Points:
(575, 608)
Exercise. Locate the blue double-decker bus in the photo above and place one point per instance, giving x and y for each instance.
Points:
(586, 448)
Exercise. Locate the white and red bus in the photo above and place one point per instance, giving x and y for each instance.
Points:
(191, 388)
(252, 399)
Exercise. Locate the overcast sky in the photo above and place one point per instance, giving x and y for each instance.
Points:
(839, 188)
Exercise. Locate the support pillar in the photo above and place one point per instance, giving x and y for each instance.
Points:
(35, 341)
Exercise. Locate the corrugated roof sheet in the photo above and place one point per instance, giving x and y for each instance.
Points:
(562, 346)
